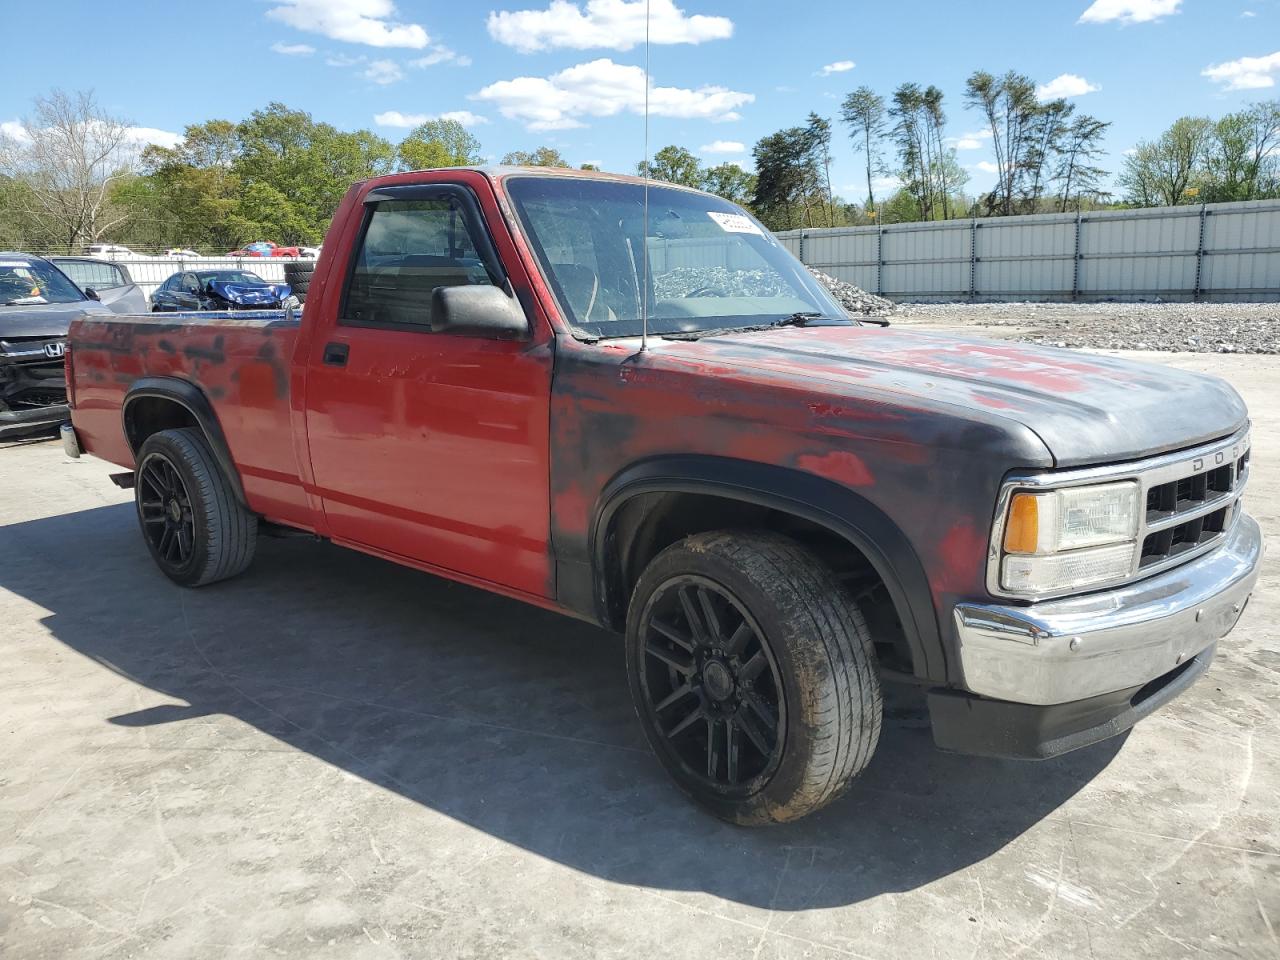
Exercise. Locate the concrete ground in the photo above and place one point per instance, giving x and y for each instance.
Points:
(335, 757)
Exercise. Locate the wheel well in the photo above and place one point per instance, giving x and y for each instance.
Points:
(147, 415)
(649, 522)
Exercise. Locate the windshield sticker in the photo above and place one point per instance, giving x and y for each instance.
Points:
(734, 223)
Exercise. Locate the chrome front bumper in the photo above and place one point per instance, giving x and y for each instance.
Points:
(1059, 651)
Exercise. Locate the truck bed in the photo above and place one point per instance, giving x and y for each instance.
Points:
(240, 360)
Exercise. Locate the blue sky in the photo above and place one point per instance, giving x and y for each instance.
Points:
(568, 72)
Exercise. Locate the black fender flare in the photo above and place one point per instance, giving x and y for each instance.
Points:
(189, 396)
(822, 502)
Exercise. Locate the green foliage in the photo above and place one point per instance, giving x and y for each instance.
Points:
(439, 143)
(730, 181)
(539, 157)
(864, 112)
(673, 164)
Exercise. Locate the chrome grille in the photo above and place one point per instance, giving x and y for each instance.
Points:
(1191, 503)
(1192, 500)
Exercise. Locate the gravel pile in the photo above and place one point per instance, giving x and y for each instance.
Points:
(1172, 327)
(686, 281)
(855, 300)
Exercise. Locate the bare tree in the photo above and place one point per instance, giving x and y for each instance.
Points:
(864, 111)
(69, 154)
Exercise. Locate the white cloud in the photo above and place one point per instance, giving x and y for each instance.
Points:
(970, 141)
(383, 72)
(603, 88)
(1247, 73)
(1131, 152)
(1129, 11)
(615, 24)
(343, 60)
(135, 138)
(14, 130)
(441, 54)
(1248, 13)
(141, 136)
(394, 118)
(1065, 85)
(294, 49)
(986, 166)
(723, 146)
(840, 66)
(351, 21)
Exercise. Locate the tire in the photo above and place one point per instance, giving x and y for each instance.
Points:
(298, 275)
(193, 525)
(753, 595)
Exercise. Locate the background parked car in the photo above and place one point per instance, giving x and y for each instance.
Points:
(109, 282)
(109, 250)
(182, 252)
(265, 248)
(219, 290)
(37, 304)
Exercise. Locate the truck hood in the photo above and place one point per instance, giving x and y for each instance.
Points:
(43, 319)
(1088, 409)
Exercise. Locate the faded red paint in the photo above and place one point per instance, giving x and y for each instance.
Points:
(840, 466)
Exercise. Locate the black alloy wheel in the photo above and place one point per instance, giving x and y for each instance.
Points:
(753, 674)
(164, 505)
(711, 685)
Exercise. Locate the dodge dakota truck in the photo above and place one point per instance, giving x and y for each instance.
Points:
(649, 415)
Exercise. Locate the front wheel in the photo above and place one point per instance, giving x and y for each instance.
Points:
(753, 674)
(196, 529)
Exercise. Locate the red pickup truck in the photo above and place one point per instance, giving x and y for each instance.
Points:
(780, 506)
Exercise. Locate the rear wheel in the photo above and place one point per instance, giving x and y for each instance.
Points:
(193, 525)
(753, 674)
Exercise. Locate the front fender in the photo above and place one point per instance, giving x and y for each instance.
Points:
(803, 495)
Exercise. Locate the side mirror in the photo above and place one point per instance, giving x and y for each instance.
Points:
(91, 293)
(477, 311)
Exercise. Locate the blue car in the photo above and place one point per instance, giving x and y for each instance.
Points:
(219, 290)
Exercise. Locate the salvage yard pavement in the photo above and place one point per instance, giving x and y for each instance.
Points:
(334, 757)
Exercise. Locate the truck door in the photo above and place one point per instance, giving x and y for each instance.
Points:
(425, 445)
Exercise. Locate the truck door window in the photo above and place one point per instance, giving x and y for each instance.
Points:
(409, 248)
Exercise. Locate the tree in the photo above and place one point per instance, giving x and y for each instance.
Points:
(819, 129)
(311, 165)
(864, 112)
(730, 181)
(1077, 173)
(673, 164)
(929, 171)
(438, 143)
(1008, 104)
(1162, 172)
(1240, 157)
(69, 156)
(1047, 129)
(540, 157)
(785, 171)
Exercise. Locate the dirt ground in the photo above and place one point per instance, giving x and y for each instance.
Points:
(333, 757)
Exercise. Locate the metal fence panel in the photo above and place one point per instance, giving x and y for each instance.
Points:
(1227, 251)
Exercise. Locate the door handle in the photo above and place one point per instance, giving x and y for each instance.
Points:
(335, 354)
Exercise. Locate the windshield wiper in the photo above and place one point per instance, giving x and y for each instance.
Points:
(800, 319)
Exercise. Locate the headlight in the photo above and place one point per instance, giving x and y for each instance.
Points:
(1068, 539)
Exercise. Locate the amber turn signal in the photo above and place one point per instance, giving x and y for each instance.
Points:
(1022, 532)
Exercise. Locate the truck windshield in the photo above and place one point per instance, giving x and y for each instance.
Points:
(711, 265)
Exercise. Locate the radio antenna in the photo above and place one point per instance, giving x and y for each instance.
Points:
(644, 240)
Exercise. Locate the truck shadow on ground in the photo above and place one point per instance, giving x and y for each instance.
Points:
(509, 719)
